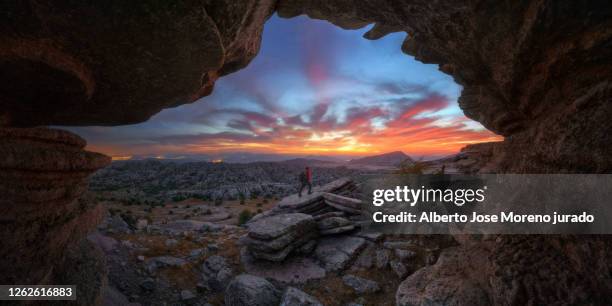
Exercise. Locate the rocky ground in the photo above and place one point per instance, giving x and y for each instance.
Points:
(299, 251)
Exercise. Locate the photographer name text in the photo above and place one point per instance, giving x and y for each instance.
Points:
(502, 217)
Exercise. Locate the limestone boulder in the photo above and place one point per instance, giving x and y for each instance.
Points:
(249, 290)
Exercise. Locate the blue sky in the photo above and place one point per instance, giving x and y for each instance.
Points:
(314, 88)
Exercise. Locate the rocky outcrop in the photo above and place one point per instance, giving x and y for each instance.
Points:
(335, 225)
(96, 63)
(360, 285)
(535, 72)
(273, 238)
(453, 280)
(247, 289)
(514, 270)
(335, 253)
(216, 272)
(296, 297)
(329, 200)
(43, 175)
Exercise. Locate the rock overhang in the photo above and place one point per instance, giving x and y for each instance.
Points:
(526, 67)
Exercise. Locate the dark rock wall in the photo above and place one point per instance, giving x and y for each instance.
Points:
(118, 62)
(43, 174)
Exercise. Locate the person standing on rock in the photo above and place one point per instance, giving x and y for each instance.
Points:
(305, 180)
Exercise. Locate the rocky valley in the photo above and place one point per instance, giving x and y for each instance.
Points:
(153, 181)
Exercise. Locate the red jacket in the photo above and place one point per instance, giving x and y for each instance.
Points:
(308, 175)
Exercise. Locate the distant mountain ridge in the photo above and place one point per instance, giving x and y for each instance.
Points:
(235, 157)
(387, 159)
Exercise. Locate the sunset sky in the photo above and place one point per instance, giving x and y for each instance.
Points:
(314, 89)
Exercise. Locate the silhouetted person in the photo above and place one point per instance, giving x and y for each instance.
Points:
(305, 180)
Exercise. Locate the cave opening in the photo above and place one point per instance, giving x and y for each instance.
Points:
(314, 89)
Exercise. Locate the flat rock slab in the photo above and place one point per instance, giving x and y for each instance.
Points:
(371, 236)
(360, 285)
(333, 222)
(294, 270)
(342, 200)
(168, 261)
(336, 252)
(275, 226)
(329, 215)
(296, 297)
(278, 243)
(294, 201)
(338, 230)
(282, 254)
(183, 225)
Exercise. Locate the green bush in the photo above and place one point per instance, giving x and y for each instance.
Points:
(219, 201)
(408, 167)
(244, 216)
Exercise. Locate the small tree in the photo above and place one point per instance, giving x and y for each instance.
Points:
(409, 167)
(244, 216)
(219, 201)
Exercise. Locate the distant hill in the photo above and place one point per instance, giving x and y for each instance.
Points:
(390, 159)
(302, 162)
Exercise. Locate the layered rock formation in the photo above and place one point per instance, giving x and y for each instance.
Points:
(43, 175)
(110, 63)
(273, 238)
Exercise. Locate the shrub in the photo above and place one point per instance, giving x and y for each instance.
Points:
(408, 167)
(244, 216)
(129, 219)
(259, 204)
(219, 201)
